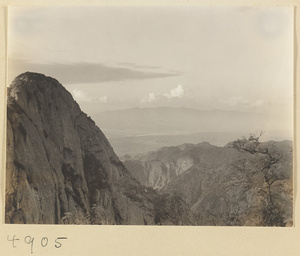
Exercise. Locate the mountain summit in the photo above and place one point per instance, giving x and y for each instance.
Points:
(62, 169)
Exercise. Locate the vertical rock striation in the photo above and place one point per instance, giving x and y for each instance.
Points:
(62, 169)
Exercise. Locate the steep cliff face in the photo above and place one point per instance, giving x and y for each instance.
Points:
(222, 185)
(62, 169)
(158, 168)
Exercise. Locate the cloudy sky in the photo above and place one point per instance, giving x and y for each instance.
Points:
(237, 58)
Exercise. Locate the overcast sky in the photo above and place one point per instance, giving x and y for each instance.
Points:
(238, 58)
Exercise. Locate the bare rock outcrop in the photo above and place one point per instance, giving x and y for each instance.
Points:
(62, 169)
(222, 185)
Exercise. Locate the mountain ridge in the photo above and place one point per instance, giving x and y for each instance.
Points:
(179, 108)
(61, 169)
(222, 185)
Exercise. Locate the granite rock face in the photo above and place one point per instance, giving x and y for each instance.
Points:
(62, 169)
(222, 185)
(158, 168)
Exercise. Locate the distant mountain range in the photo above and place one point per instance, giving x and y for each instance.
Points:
(61, 168)
(221, 185)
(168, 120)
(139, 130)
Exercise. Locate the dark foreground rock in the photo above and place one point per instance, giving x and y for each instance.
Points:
(62, 169)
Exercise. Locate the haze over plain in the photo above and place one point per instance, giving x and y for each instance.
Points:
(236, 59)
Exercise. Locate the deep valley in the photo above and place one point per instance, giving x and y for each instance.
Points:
(62, 169)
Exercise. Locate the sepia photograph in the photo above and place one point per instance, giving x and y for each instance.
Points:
(165, 115)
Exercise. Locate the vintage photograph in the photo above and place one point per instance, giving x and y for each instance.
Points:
(150, 116)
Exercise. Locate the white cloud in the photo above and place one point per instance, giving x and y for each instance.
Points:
(177, 92)
(80, 95)
(151, 97)
(104, 99)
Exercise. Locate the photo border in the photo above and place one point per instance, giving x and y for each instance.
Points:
(150, 240)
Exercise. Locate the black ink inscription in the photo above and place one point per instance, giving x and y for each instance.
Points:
(58, 244)
(29, 240)
(13, 240)
(44, 241)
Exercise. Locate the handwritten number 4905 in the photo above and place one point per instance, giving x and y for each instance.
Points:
(30, 241)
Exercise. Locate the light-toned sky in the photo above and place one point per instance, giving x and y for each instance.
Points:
(238, 58)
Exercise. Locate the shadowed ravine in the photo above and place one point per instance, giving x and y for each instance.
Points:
(61, 169)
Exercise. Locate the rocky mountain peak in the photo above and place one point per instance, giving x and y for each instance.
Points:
(62, 169)
(37, 92)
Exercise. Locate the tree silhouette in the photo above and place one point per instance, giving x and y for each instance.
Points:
(266, 161)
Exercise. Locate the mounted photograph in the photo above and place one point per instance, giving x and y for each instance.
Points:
(132, 115)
